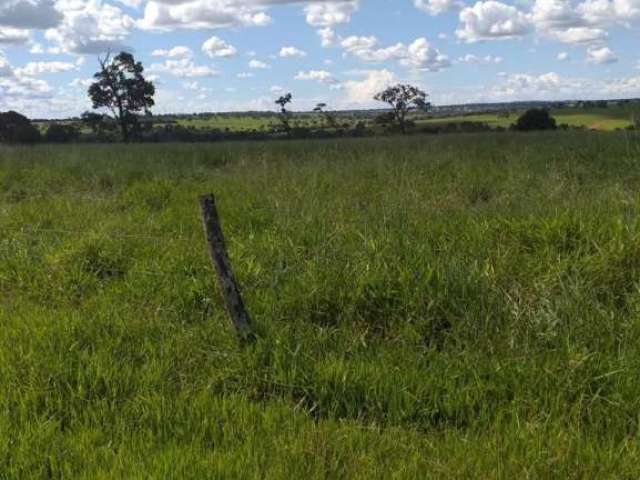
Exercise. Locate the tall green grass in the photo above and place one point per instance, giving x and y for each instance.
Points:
(428, 307)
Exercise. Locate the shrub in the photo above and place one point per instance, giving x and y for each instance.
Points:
(59, 133)
(16, 128)
(535, 119)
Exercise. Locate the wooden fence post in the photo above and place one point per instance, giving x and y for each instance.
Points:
(217, 250)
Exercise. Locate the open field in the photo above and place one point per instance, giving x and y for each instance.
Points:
(440, 306)
(611, 118)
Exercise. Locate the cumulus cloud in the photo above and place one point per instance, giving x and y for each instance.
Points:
(485, 60)
(183, 68)
(490, 20)
(207, 14)
(328, 37)
(175, 52)
(34, 69)
(90, 27)
(419, 55)
(436, 7)
(202, 14)
(29, 14)
(329, 13)
(579, 35)
(13, 36)
(601, 55)
(362, 91)
(257, 64)
(289, 52)
(320, 76)
(532, 87)
(216, 47)
(17, 89)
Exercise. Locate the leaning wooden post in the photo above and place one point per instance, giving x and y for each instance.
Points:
(220, 259)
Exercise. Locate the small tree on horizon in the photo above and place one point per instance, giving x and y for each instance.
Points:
(328, 116)
(121, 87)
(403, 98)
(285, 115)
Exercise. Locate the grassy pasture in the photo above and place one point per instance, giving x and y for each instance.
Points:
(611, 118)
(455, 306)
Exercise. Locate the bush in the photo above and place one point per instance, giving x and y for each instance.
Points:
(16, 128)
(58, 133)
(535, 119)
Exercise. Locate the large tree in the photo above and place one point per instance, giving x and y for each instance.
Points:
(403, 99)
(121, 87)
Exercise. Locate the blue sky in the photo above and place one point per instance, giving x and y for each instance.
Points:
(224, 55)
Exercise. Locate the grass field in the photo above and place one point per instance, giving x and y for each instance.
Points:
(611, 118)
(606, 119)
(455, 306)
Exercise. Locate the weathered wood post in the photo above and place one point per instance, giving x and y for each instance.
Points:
(217, 250)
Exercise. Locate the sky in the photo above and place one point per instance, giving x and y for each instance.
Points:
(236, 55)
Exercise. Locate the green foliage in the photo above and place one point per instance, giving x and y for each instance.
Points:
(60, 133)
(121, 88)
(535, 119)
(402, 99)
(16, 128)
(454, 306)
(285, 115)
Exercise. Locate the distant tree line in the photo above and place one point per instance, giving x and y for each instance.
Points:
(121, 89)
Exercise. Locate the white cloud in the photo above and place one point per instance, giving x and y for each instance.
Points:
(216, 47)
(245, 75)
(6, 70)
(579, 35)
(90, 26)
(13, 36)
(176, 52)
(328, 37)
(361, 92)
(563, 56)
(436, 7)
(534, 87)
(33, 69)
(83, 83)
(289, 52)
(29, 14)
(183, 68)
(329, 13)
(321, 76)
(491, 20)
(419, 55)
(601, 55)
(485, 60)
(257, 64)
(202, 14)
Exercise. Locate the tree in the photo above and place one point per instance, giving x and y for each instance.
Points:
(121, 88)
(403, 99)
(16, 128)
(535, 119)
(328, 116)
(285, 115)
(60, 133)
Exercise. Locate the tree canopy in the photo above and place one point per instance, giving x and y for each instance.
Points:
(120, 87)
(535, 119)
(403, 98)
(16, 128)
